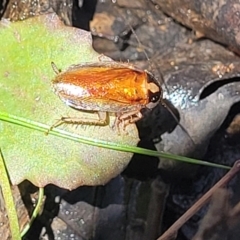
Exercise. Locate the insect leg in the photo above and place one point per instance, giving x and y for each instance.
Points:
(127, 118)
(103, 120)
(55, 68)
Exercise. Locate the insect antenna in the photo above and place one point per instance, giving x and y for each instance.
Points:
(142, 47)
(161, 79)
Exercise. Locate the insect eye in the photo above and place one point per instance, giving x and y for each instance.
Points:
(154, 97)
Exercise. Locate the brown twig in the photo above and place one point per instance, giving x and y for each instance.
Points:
(171, 233)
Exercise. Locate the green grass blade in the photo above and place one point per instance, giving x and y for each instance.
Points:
(9, 201)
(95, 142)
(36, 211)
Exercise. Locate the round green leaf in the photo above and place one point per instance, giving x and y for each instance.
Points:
(27, 50)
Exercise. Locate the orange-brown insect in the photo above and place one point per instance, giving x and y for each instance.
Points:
(107, 87)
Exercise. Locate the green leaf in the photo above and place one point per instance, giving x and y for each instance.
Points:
(27, 50)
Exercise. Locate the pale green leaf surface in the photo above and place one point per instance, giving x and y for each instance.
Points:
(27, 50)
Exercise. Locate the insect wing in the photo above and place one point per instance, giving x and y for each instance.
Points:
(112, 88)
